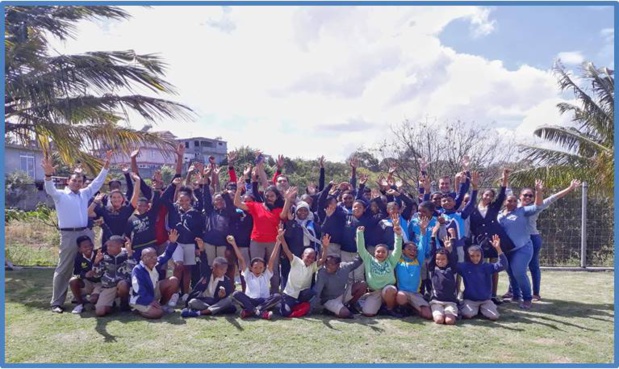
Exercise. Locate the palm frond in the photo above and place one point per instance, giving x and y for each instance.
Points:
(572, 139)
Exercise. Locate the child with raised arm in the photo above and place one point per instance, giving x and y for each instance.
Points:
(443, 269)
(298, 288)
(408, 274)
(257, 299)
(148, 293)
(333, 288)
(114, 267)
(211, 295)
(379, 271)
(477, 277)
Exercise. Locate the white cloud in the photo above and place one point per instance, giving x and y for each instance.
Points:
(571, 57)
(306, 81)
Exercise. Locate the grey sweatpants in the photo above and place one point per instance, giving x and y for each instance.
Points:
(203, 304)
(264, 250)
(64, 270)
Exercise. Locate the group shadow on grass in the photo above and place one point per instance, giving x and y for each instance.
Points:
(32, 288)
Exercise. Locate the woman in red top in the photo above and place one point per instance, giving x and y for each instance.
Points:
(267, 217)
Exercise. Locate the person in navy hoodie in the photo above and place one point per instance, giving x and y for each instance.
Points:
(148, 294)
(477, 277)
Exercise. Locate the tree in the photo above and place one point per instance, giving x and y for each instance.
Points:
(584, 150)
(76, 103)
(443, 145)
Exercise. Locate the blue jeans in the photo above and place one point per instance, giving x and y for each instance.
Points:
(519, 260)
(536, 273)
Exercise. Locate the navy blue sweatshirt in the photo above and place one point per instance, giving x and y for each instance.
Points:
(83, 265)
(294, 237)
(483, 228)
(189, 224)
(217, 220)
(478, 278)
(443, 279)
(141, 228)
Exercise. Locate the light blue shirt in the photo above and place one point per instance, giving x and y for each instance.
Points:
(72, 208)
(532, 225)
(516, 224)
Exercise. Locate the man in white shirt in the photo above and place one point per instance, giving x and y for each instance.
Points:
(72, 211)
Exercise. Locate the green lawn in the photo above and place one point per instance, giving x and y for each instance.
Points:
(574, 324)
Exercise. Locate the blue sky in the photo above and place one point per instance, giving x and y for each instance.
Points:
(536, 35)
(327, 80)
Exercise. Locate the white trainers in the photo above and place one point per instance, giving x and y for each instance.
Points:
(173, 300)
(185, 297)
(78, 309)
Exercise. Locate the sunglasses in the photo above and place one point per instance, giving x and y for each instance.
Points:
(527, 195)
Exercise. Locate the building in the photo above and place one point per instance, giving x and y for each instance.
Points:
(25, 158)
(152, 158)
(201, 148)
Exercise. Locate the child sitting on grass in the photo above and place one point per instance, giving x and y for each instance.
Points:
(114, 267)
(332, 289)
(148, 292)
(257, 299)
(211, 295)
(477, 277)
(84, 282)
(442, 268)
(379, 271)
(408, 274)
(298, 287)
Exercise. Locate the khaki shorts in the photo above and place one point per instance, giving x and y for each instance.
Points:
(415, 299)
(90, 288)
(106, 297)
(373, 300)
(185, 253)
(472, 308)
(145, 308)
(440, 308)
(336, 304)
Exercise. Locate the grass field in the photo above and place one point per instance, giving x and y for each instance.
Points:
(574, 324)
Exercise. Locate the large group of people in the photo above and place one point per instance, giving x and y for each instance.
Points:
(339, 249)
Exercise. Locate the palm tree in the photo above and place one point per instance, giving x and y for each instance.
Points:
(76, 104)
(585, 150)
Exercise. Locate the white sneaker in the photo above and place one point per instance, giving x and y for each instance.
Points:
(185, 297)
(173, 300)
(78, 309)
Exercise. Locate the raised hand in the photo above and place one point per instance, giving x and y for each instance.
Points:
(575, 184)
(344, 186)
(108, 155)
(496, 242)
(361, 229)
(475, 180)
(280, 161)
(539, 185)
(99, 198)
(217, 170)
(382, 182)
(326, 240)
(247, 171)
(180, 149)
(240, 184)
(231, 240)
(291, 193)
(98, 257)
(321, 161)
(135, 153)
(231, 157)
(447, 242)
(177, 181)
(157, 176)
(423, 163)
(392, 169)
(465, 161)
(192, 168)
(330, 210)
(353, 162)
(48, 166)
(78, 168)
(173, 235)
(363, 178)
(452, 232)
(136, 178)
(124, 168)
(399, 184)
(200, 243)
(311, 188)
(199, 167)
(280, 234)
(424, 222)
(441, 220)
